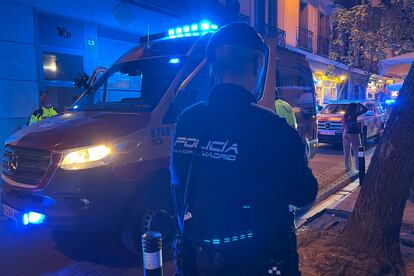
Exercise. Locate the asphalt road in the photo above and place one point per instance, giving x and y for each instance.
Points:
(38, 251)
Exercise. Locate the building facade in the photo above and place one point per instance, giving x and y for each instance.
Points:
(304, 26)
(45, 44)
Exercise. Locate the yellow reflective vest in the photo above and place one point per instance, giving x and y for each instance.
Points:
(42, 113)
(284, 110)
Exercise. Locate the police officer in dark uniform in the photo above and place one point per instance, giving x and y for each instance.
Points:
(235, 169)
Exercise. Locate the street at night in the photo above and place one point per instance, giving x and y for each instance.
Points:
(102, 253)
(207, 137)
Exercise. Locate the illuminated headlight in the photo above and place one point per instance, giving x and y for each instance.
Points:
(85, 158)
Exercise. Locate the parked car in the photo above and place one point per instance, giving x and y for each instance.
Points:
(330, 125)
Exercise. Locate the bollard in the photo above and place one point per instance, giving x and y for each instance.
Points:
(361, 162)
(152, 253)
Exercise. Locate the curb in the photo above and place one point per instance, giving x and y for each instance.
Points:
(336, 188)
(327, 206)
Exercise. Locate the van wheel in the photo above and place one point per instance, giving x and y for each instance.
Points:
(153, 213)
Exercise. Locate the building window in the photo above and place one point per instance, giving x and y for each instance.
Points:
(61, 67)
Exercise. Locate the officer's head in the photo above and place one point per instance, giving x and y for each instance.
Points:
(45, 101)
(237, 54)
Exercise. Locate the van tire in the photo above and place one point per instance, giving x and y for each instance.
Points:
(140, 216)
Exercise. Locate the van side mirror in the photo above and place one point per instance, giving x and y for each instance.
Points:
(81, 81)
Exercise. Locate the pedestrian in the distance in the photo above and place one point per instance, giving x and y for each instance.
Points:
(46, 110)
(351, 135)
(235, 169)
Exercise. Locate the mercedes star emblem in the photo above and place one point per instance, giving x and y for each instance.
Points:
(13, 163)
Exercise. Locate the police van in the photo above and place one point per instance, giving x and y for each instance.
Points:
(104, 163)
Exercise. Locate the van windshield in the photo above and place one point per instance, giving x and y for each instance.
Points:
(136, 85)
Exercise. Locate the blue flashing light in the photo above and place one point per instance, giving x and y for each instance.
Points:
(174, 60)
(202, 28)
(246, 206)
(216, 241)
(33, 218)
(392, 101)
(205, 25)
(227, 240)
(76, 107)
(207, 241)
(387, 101)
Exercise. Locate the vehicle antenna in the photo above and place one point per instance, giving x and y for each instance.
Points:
(148, 36)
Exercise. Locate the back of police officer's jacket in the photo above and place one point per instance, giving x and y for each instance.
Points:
(238, 166)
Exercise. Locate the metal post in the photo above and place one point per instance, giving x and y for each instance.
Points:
(361, 162)
(152, 253)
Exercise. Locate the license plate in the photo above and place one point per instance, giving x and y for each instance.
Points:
(10, 212)
(326, 132)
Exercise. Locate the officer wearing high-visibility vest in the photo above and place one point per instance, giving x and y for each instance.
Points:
(284, 110)
(45, 111)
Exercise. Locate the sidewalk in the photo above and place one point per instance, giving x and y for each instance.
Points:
(344, 200)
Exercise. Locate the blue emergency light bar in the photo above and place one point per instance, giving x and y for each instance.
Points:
(196, 29)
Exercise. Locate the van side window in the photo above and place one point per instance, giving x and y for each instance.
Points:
(197, 90)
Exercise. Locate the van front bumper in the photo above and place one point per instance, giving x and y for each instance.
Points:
(83, 200)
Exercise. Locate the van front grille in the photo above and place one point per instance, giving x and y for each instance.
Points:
(25, 165)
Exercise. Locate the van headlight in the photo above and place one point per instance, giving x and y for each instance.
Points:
(85, 158)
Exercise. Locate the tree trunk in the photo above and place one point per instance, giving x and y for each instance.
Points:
(374, 226)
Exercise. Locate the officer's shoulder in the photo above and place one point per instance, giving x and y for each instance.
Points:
(272, 121)
(38, 112)
(193, 110)
(266, 115)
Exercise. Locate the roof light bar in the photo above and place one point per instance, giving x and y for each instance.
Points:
(201, 28)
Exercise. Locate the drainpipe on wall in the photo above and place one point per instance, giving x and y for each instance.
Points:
(259, 15)
(272, 13)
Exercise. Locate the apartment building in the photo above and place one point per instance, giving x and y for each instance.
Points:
(304, 26)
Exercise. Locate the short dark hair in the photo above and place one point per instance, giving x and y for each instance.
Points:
(235, 59)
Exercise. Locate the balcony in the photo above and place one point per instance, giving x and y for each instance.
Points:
(279, 34)
(305, 39)
(323, 46)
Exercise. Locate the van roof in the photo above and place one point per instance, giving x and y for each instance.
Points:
(162, 47)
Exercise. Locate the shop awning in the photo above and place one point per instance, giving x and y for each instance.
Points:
(396, 66)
